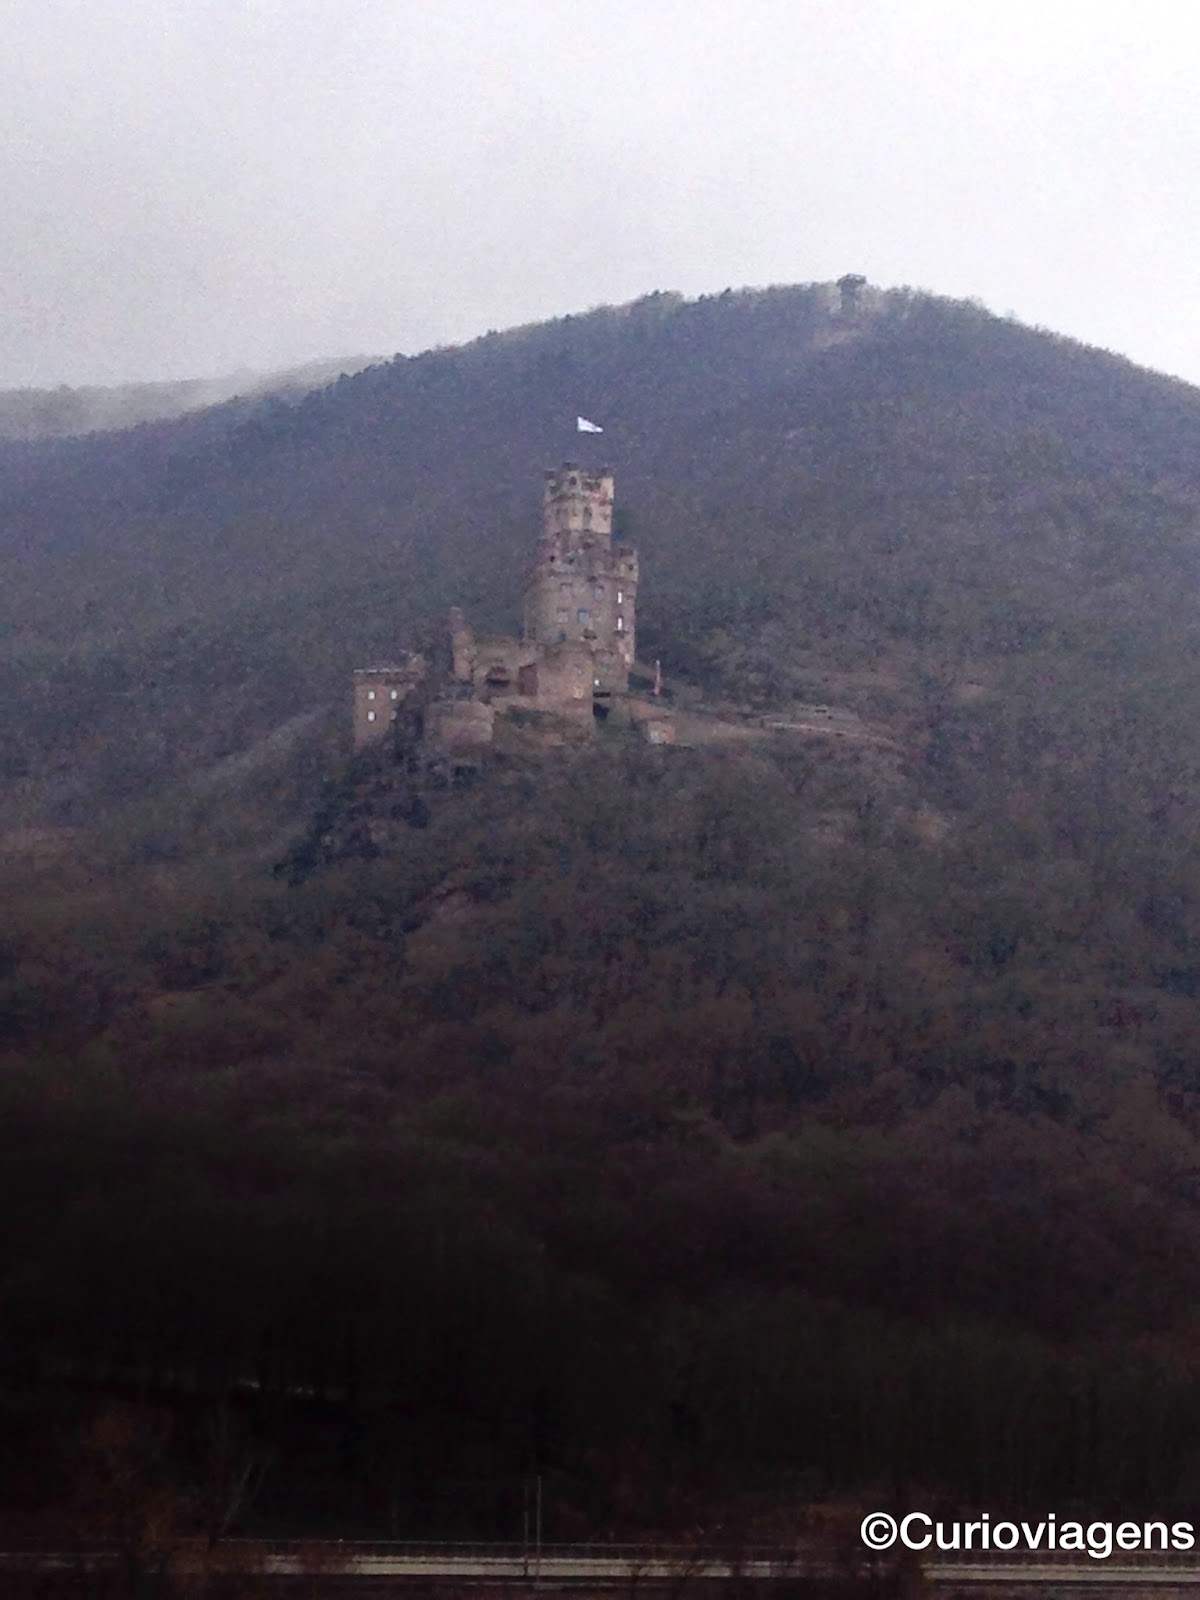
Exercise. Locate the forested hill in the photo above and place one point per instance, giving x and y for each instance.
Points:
(928, 490)
(702, 1132)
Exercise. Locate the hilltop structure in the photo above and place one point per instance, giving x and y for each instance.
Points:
(581, 588)
(573, 657)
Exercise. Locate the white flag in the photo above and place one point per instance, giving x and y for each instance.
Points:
(582, 425)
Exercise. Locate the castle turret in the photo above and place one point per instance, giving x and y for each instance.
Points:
(581, 587)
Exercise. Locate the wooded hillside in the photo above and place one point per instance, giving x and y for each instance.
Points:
(708, 1132)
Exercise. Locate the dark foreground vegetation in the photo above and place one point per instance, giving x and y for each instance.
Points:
(620, 1127)
(706, 1134)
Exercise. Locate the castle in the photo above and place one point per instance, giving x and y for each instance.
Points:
(572, 661)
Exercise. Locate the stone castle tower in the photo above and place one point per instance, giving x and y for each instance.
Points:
(581, 588)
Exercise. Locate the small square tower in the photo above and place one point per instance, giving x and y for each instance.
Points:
(379, 694)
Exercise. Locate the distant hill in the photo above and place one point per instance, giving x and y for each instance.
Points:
(66, 412)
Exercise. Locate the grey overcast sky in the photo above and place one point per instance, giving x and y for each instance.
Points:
(189, 187)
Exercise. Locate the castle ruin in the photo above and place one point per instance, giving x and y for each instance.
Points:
(574, 654)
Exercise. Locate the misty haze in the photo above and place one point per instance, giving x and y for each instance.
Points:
(599, 806)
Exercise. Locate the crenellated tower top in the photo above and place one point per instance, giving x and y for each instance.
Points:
(577, 505)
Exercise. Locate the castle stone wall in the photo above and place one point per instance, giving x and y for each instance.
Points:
(459, 726)
(561, 679)
(498, 666)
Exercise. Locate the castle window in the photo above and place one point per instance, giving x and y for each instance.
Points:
(583, 615)
(620, 596)
(370, 716)
(395, 694)
(370, 694)
(599, 591)
(620, 624)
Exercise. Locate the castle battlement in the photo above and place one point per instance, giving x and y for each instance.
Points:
(577, 501)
